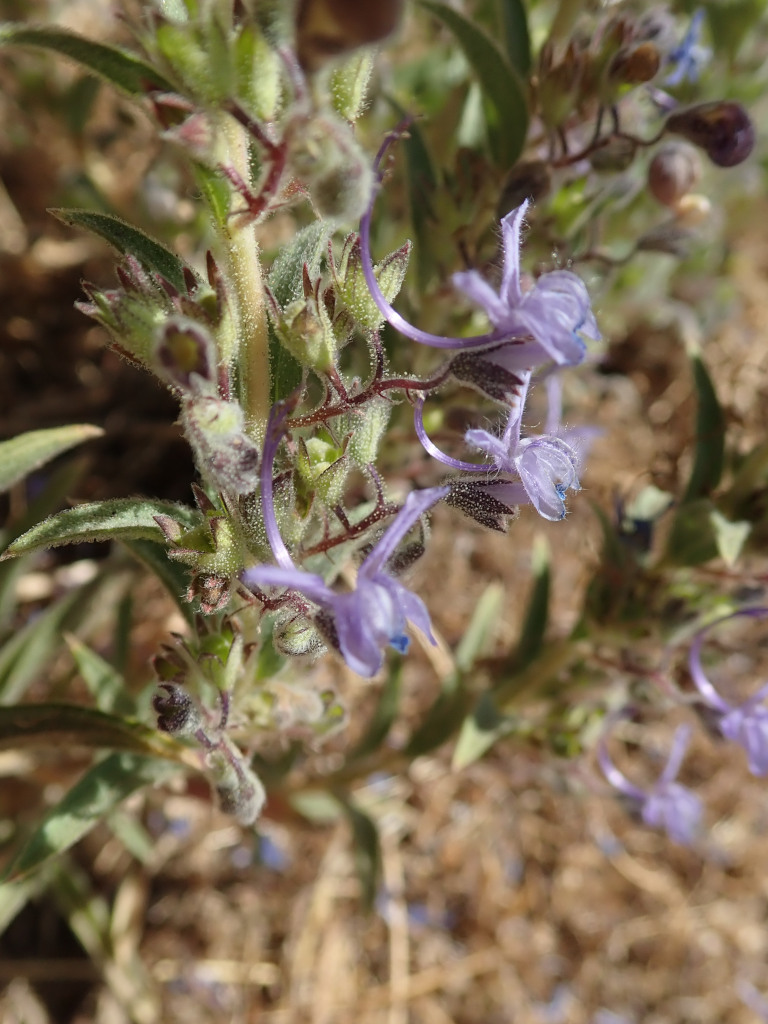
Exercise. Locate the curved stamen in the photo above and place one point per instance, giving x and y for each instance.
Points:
(434, 451)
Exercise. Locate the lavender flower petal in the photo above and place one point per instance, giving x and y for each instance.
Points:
(547, 468)
(675, 809)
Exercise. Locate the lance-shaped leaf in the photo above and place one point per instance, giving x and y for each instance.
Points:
(118, 66)
(105, 684)
(502, 87)
(384, 715)
(367, 850)
(479, 732)
(26, 653)
(515, 35)
(130, 241)
(40, 725)
(93, 797)
(173, 575)
(710, 435)
(537, 613)
(21, 455)
(117, 519)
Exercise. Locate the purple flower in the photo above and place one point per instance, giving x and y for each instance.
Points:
(363, 621)
(745, 724)
(690, 56)
(545, 464)
(554, 312)
(667, 805)
(542, 467)
(543, 323)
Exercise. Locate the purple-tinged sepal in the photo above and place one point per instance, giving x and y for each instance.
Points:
(491, 503)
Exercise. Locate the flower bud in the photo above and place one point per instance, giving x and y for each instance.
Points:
(239, 790)
(673, 172)
(353, 293)
(296, 637)
(529, 179)
(325, 156)
(722, 129)
(225, 454)
(693, 210)
(329, 28)
(323, 468)
(671, 238)
(614, 157)
(176, 711)
(186, 353)
(368, 428)
(635, 65)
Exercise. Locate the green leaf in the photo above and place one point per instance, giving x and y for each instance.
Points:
(422, 185)
(96, 794)
(130, 241)
(39, 725)
(285, 281)
(120, 67)
(105, 684)
(173, 575)
(384, 715)
(27, 452)
(537, 613)
(477, 634)
(367, 851)
(24, 656)
(440, 723)
(517, 40)
(216, 192)
(501, 85)
(479, 731)
(710, 436)
(116, 519)
(691, 539)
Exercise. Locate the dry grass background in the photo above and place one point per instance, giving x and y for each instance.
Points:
(516, 891)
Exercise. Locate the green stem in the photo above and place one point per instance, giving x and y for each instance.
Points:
(243, 274)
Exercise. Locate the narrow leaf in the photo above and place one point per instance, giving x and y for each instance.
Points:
(515, 35)
(710, 436)
(173, 575)
(479, 732)
(535, 624)
(477, 634)
(384, 715)
(502, 87)
(367, 851)
(39, 725)
(23, 454)
(120, 67)
(422, 184)
(105, 684)
(691, 539)
(117, 519)
(130, 241)
(440, 723)
(96, 794)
